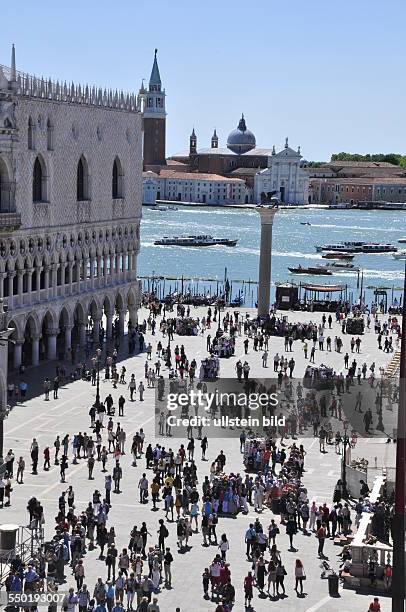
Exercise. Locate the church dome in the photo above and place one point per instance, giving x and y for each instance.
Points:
(241, 140)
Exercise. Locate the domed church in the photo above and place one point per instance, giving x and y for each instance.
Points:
(265, 171)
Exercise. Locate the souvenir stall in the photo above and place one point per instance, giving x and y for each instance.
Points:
(318, 377)
(186, 326)
(209, 368)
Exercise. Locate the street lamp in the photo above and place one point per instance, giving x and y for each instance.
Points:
(380, 425)
(168, 361)
(96, 363)
(343, 465)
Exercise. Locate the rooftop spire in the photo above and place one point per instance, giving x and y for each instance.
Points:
(13, 64)
(155, 78)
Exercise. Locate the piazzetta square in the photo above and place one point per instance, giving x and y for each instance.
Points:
(202, 366)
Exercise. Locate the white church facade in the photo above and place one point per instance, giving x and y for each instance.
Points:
(70, 210)
(284, 177)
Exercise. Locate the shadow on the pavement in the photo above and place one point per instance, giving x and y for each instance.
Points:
(34, 376)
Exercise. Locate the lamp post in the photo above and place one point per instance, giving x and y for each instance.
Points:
(344, 465)
(398, 522)
(380, 425)
(96, 363)
(168, 361)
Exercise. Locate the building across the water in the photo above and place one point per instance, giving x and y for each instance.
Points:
(241, 172)
(192, 187)
(354, 182)
(70, 209)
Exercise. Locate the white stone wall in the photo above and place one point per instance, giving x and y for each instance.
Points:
(191, 189)
(284, 171)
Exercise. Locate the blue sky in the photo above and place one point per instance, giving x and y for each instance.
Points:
(330, 76)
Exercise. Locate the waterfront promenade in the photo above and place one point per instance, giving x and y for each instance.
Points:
(69, 414)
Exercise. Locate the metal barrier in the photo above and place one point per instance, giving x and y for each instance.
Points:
(28, 542)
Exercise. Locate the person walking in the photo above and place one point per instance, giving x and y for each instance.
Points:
(299, 576)
(20, 470)
(321, 535)
(224, 546)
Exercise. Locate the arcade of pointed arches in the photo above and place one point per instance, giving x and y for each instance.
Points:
(61, 331)
(75, 278)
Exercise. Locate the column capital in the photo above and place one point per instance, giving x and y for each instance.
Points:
(53, 331)
(267, 214)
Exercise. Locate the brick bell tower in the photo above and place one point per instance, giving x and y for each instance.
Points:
(154, 119)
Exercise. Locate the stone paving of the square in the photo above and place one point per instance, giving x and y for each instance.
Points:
(69, 414)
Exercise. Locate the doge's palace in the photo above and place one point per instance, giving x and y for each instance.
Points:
(70, 209)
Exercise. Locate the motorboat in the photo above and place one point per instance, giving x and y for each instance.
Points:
(203, 240)
(347, 247)
(337, 255)
(312, 270)
(401, 254)
(377, 247)
(305, 223)
(341, 265)
(402, 240)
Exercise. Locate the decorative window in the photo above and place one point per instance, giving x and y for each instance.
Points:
(82, 180)
(39, 181)
(31, 134)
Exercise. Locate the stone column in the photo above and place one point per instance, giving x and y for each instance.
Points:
(29, 284)
(20, 281)
(96, 328)
(267, 214)
(92, 259)
(11, 276)
(54, 276)
(68, 338)
(17, 354)
(70, 276)
(85, 262)
(2, 275)
(38, 273)
(47, 282)
(51, 343)
(35, 351)
(109, 325)
(99, 270)
(78, 266)
(82, 335)
(121, 322)
(133, 265)
(132, 314)
(117, 262)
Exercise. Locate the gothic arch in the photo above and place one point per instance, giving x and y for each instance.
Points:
(39, 180)
(50, 134)
(32, 325)
(5, 187)
(31, 133)
(117, 179)
(82, 180)
(50, 320)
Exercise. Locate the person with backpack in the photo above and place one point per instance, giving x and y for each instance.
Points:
(250, 539)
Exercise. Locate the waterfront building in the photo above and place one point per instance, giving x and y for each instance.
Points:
(352, 182)
(355, 190)
(192, 187)
(284, 177)
(70, 209)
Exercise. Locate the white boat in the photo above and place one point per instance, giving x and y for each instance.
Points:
(378, 247)
(402, 240)
(343, 266)
(400, 254)
(347, 247)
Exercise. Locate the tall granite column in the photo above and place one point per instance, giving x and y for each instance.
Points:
(267, 214)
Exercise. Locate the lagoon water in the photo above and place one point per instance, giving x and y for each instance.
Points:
(293, 244)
